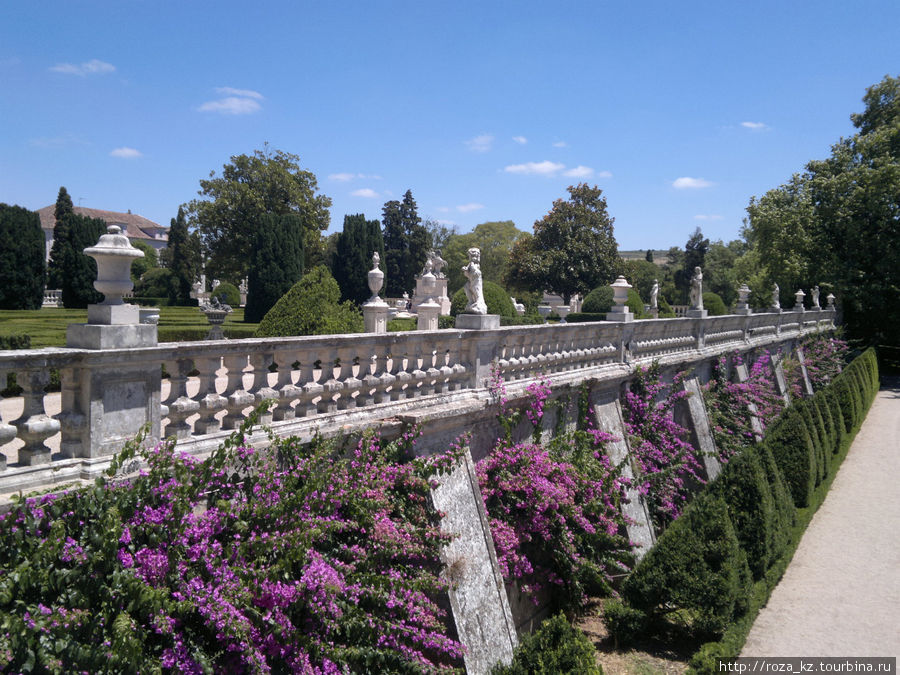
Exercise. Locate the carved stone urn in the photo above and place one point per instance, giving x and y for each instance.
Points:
(114, 255)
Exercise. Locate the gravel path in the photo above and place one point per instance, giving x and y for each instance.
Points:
(840, 595)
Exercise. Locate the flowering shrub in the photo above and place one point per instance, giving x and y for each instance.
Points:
(297, 560)
(665, 460)
(826, 356)
(554, 509)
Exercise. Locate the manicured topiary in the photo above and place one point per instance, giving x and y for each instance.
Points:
(794, 453)
(821, 402)
(582, 317)
(635, 304)
(228, 294)
(713, 304)
(784, 513)
(846, 397)
(803, 408)
(837, 416)
(495, 297)
(554, 648)
(598, 301)
(311, 307)
(697, 571)
(744, 488)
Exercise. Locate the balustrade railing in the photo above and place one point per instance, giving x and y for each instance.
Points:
(212, 385)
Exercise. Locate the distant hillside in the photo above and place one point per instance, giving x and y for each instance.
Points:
(660, 257)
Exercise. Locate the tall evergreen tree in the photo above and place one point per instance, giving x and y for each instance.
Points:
(416, 237)
(182, 258)
(353, 256)
(405, 244)
(63, 208)
(276, 262)
(79, 272)
(22, 265)
(395, 247)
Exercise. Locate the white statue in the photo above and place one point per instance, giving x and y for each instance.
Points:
(697, 289)
(776, 301)
(429, 265)
(815, 297)
(437, 263)
(654, 293)
(474, 291)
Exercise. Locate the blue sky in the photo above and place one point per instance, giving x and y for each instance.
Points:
(680, 112)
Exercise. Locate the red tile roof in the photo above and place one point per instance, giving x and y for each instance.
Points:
(133, 225)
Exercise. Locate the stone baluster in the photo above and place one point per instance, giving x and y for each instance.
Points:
(368, 374)
(260, 389)
(71, 418)
(237, 398)
(350, 383)
(392, 374)
(382, 373)
(418, 364)
(443, 363)
(460, 368)
(180, 406)
(35, 425)
(7, 431)
(513, 356)
(312, 389)
(287, 391)
(432, 381)
(331, 385)
(209, 399)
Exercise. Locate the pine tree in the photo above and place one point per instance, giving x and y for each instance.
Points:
(22, 264)
(276, 263)
(182, 258)
(649, 256)
(79, 272)
(353, 256)
(395, 249)
(63, 208)
(416, 238)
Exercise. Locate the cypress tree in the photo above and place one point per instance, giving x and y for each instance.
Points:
(182, 258)
(22, 265)
(416, 238)
(276, 263)
(60, 235)
(79, 271)
(353, 256)
(395, 250)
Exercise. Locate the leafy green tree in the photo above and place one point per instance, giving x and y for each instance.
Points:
(250, 187)
(573, 248)
(79, 272)
(640, 274)
(54, 267)
(649, 256)
(719, 269)
(182, 257)
(694, 256)
(405, 245)
(353, 256)
(141, 265)
(22, 266)
(438, 233)
(495, 239)
(277, 263)
(157, 282)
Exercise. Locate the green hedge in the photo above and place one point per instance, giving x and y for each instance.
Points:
(15, 342)
(495, 297)
(583, 317)
(188, 334)
(556, 648)
(401, 325)
(526, 320)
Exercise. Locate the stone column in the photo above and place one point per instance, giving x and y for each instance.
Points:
(428, 310)
(691, 413)
(115, 399)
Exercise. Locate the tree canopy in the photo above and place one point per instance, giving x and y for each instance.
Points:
(21, 258)
(405, 245)
(183, 258)
(573, 249)
(277, 263)
(494, 238)
(352, 257)
(251, 186)
(54, 267)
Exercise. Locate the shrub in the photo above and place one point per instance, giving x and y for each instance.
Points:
(665, 309)
(696, 574)
(526, 320)
(311, 307)
(784, 514)
(495, 297)
(635, 304)
(400, 325)
(713, 304)
(227, 294)
(598, 301)
(793, 450)
(728, 404)
(743, 487)
(846, 402)
(446, 322)
(834, 408)
(556, 648)
(15, 342)
(825, 357)
(624, 622)
(22, 258)
(156, 283)
(582, 317)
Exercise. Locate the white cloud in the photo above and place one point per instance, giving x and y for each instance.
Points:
(481, 143)
(545, 168)
(443, 209)
(521, 140)
(92, 67)
(707, 216)
(755, 126)
(345, 177)
(466, 208)
(446, 223)
(580, 172)
(231, 105)
(365, 192)
(560, 144)
(240, 93)
(688, 183)
(126, 153)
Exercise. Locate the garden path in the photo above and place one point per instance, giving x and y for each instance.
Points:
(840, 595)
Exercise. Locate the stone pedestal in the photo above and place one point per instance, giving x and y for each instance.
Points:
(478, 321)
(375, 316)
(620, 314)
(428, 315)
(696, 313)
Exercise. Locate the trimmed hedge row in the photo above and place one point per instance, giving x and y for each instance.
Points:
(187, 334)
(713, 568)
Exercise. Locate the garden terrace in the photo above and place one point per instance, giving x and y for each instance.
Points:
(333, 384)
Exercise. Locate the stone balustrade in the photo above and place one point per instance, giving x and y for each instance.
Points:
(346, 381)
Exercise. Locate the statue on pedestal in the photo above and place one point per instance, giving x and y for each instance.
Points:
(776, 299)
(815, 297)
(697, 289)
(437, 263)
(654, 295)
(474, 284)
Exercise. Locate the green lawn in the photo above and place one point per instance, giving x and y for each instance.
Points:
(47, 326)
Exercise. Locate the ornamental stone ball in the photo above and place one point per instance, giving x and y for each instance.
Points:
(474, 284)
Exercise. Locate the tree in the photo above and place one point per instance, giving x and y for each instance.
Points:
(22, 266)
(54, 268)
(79, 272)
(495, 239)
(405, 245)
(438, 233)
(251, 186)
(141, 265)
(277, 263)
(353, 256)
(182, 257)
(719, 269)
(573, 248)
(649, 256)
(694, 256)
